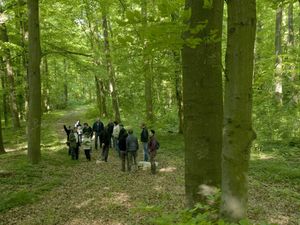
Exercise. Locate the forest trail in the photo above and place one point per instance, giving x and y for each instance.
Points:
(99, 193)
(67, 192)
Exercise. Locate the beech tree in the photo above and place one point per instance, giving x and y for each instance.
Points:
(34, 83)
(238, 131)
(202, 97)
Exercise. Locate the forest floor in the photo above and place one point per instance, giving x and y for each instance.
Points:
(62, 191)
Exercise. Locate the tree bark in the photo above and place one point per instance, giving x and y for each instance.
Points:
(34, 58)
(2, 149)
(46, 90)
(110, 70)
(278, 53)
(147, 68)
(4, 93)
(10, 77)
(291, 54)
(66, 91)
(238, 132)
(101, 100)
(178, 86)
(202, 99)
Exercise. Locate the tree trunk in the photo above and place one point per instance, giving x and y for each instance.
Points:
(202, 99)
(238, 132)
(21, 68)
(34, 58)
(147, 68)
(291, 54)
(110, 70)
(101, 97)
(2, 150)
(178, 86)
(46, 91)
(10, 78)
(66, 92)
(278, 53)
(4, 93)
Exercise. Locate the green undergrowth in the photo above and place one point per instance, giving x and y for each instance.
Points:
(24, 183)
(132, 198)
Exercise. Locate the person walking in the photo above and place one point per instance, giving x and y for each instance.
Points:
(87, 145)
(132, 147)
(68, 131)
(104, 137)
(98, 127)
(144, 140)
(122, 147)
(73, 139)
(115, 135)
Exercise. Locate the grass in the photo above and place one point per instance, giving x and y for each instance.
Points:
(61, 191)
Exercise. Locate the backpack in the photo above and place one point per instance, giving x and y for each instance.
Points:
(157, 145)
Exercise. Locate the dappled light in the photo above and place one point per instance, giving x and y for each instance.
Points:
(138, 112)
(207, 190)
(84, 203)
(167, 169)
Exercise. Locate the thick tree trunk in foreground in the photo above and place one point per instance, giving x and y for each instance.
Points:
(202, 100)
(34, 83)
(110, 70)
(278, 53)
(238, 132)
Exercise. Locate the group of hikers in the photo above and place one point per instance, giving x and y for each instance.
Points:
(113, 135)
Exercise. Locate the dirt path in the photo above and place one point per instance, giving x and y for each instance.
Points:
(99, 193)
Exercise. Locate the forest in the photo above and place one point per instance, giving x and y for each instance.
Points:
(218, 82)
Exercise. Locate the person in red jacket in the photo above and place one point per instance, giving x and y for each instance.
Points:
(152, 147)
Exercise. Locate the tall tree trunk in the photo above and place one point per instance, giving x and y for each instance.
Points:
(178, 86)
(238, 132)
(291, 54)
(147, 68)
(202, 99)
(21, 68)
(66, 91)
(101, 100)
(278, 53)
(34, 59)
(4, 93)
(2, 150)
(110, 70)
(10, 78)
(45, 90)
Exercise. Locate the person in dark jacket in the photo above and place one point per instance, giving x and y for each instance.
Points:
(68, 131)
(144, 140)
(73, 139)
(110, 127)
(98, 127)
(104, 137)
(87, 130)
(132, 146)
(122, 147)
(152, 146)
